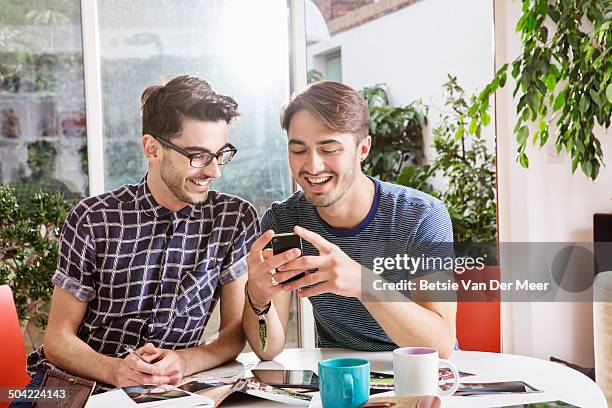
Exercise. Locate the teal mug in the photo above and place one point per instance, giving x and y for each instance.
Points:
(344, 382)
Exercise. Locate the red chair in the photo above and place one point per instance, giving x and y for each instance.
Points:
(12, 350)
(479, 317)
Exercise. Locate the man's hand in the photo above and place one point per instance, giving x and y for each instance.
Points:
(336, 271)
(171, 365)
(262, 265)
(133, 371)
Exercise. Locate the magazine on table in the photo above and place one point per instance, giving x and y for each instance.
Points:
(488, 388)
(210, 393)
(150, 396)
(220, 390)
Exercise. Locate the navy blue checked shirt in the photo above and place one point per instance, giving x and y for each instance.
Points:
(148, 274)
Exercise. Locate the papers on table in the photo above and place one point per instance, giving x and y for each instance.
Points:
(150, 396)
(220, 390)
(385, 382)
(506, 387)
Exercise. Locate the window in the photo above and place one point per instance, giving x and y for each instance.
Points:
(333, 67)
(240, 46)
(42, 104)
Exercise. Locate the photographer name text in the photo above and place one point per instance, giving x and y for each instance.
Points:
(467, 285)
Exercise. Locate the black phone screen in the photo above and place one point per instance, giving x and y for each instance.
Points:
(285, 242)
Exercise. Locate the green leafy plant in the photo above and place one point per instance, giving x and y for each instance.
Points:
(418, 178)
(29, 235)
(375, 96)
(313, 76)
(397, 134)
(47, 17)
(468, 169)
(42, 160)
(33, 28)
(18, 13)
(565, 78)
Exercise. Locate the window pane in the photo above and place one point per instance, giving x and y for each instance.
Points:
(239, 46)
(42, 103)
(333, 67)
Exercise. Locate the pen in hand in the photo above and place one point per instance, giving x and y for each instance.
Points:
(133, 351)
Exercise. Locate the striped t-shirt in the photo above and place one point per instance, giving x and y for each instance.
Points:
(399, 220)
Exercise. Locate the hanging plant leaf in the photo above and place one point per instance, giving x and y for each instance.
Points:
(560, 51)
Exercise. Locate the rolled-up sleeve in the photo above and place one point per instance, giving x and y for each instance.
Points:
(235, 262)
(77, 257)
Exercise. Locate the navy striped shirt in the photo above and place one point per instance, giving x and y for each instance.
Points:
(401, 221)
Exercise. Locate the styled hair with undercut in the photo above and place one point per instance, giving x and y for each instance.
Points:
(165, 106)
(337, 106)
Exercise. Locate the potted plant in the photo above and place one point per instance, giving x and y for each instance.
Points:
(397, 134)
(28, 254)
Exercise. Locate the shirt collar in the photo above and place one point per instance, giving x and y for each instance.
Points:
(146, 202)
(363, 224)
(192, 210)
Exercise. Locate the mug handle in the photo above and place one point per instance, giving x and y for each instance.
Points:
(347, 387)
(455, 372)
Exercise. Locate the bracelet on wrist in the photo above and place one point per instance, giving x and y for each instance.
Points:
(257, 309)
(261, 317)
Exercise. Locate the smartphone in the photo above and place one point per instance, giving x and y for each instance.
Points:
(285, 242)
(287, 378)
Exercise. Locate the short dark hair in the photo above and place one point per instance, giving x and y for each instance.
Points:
(339, 107)
(165, 106)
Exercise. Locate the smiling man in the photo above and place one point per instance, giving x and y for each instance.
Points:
(143, 266)
(345, 220)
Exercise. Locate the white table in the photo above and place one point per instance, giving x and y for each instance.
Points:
(557, 382)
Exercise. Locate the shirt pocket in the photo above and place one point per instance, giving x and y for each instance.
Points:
(197, 288)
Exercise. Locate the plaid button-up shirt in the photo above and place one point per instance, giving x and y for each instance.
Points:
(148, 274)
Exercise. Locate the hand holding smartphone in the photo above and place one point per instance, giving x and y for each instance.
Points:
(285, 242)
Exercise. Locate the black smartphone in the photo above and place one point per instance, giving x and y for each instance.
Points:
(287, 378)
(285, 242)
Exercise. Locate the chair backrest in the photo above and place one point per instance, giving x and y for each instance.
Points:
(12, 350)
(479, 319)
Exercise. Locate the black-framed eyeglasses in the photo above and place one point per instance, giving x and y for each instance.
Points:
(197, 160)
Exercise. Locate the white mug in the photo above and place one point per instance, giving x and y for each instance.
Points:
(416, 372)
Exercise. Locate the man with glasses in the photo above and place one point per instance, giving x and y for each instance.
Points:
(141, 268)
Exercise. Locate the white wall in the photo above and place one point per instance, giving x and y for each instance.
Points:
(413, 49)
(543, 204)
